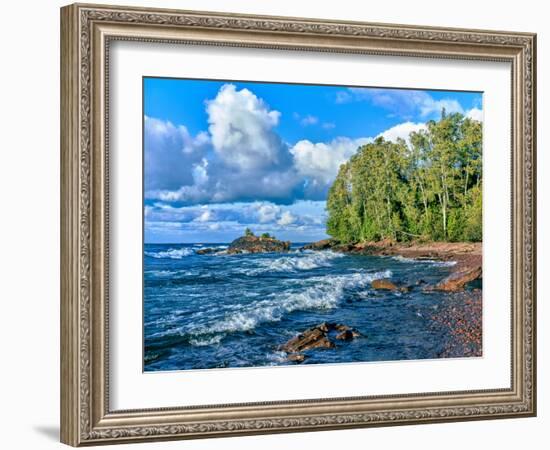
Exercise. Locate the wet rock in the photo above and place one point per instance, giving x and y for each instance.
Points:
(387, 285)
(457, 280)
(205, 251)
(347, 335)
(319, 337)
(324, 244)
(309, 339)
(257, 244)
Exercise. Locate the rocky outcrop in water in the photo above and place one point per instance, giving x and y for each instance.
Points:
(316, 338)
(205, 251)
(257, 244)
(458, 279)
(387, 285)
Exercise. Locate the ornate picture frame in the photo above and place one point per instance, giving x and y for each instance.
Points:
(87, 31)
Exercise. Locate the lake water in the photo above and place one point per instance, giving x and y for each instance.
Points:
(219, 311)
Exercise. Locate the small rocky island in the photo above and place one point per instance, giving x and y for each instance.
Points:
(250, 243)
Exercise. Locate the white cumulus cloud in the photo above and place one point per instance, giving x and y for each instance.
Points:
(286, 218)
(475, 114)
(402, 131)
(241, 126)
(320, 161)
(170, 152)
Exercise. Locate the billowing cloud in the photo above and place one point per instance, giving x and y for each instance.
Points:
(268, 212)
(205, 216)
(286, 219)
(170, 154)
(402, 131)
(475, 114)
(302, 217)
(242, 158)
(319, 162)
(241, 126)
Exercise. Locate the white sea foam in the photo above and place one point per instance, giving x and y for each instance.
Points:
(323, 292)
(301, 261)
(161, 273)
(173, 253)
(424, 261)
(203, 342)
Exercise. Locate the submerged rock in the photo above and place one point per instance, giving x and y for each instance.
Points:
(457, 280)
(257, 244)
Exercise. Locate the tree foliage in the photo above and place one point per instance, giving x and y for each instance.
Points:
(429, 188)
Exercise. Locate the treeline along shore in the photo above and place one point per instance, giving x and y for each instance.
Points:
(428, 188)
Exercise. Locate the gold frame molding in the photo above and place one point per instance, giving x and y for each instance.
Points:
(86, 31)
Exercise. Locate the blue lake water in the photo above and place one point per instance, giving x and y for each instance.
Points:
(217, 310)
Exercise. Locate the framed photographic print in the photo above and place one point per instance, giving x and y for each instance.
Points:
(276, 224)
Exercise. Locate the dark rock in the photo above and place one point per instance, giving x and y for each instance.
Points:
(325, 327)
(256, 244)
(344, 248)
(457, 280)
(205, 251)
(346, 335)
(319, 245)
(309, 339)
(318, 337)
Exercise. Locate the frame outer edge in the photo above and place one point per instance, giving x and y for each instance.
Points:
(70, 299)
(533, 228)
(79, 411)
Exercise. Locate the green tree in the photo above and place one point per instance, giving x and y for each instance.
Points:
(429, 188)
(248, 232)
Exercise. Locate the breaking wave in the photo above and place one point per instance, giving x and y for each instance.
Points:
(294, 263)
(173, 253)
(324, 292)
(424, 261)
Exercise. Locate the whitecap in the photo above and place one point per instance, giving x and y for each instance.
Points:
(296, 262)
(173, 253)
(321, 293)
(203, 342)
(424, 261)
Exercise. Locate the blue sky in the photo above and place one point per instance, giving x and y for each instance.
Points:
(220, 156)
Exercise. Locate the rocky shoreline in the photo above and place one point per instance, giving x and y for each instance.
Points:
(466, 255)
(462, 318)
